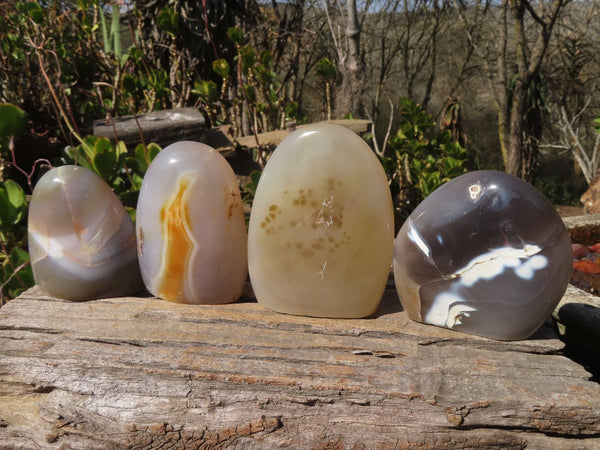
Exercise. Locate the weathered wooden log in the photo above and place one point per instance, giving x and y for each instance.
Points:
(273, 138)
(163, 127)
(144, 373)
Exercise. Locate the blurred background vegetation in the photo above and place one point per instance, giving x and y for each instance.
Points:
(448, 86)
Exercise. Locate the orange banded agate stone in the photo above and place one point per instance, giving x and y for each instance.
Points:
(191, 231)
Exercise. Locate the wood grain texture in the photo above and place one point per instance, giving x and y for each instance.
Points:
(145, 373)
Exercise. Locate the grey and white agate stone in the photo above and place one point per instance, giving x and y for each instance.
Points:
(81, 239)
(485, 254)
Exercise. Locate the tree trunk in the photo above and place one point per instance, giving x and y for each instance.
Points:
(517, 128)
(350, 99)
(525, 49)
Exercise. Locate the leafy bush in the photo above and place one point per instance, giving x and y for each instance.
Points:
(121, 170)
(423, 158)
(558, 191)
(15, 271)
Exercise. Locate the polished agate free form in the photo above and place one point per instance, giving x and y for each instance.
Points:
(321, 229)
(81, 239)
(190, 228)
(486, 254)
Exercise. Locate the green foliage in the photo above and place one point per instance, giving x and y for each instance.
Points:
(112, 37)
(235, 35)
(597, 124)
(221, 67)
(122, 172)
(326, 69)
(63, 39)
(258, 87)
(13, 120)
(557, 191)
(16, 274)
(35, 12)
(168, 21)
(249, 189)
(424, 158)
(206, 90)
(13, 205)
(291, 110)
(15, 271)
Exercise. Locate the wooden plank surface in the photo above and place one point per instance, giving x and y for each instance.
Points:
(162, 127)
(273, 138)
(144, 373)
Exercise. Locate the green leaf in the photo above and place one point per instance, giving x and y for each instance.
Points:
(35, 11)
(266, 58)
(206, 90)
(247, 58)
(77, 154)
(104, 165)
(120, 149)
(326, 69)
(273, 97)
(115, 30)
(250, 93)
(18, 256)
(136, 182)
(221, 67)
(128, 83)
(249, 189)
(13, 204)
(235, 35)
(88, 147)
(153, 150)
(16, 195)
(102, 145)
(134, 165)
(13, 120)
(141, 157)
(291, 110)
(132, 212)
(129, 197)
(168, 21)
(104, 30)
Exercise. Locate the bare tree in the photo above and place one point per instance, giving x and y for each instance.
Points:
(388, 50)
(512, 54)
(345, 30)
(571, 73)
(587, 158)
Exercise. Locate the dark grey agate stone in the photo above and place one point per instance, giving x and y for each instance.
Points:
(485, 254)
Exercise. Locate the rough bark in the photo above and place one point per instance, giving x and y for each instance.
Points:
(145, 373)
(162, 127)
(516, 48)
(350, 98)
(529, 55)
